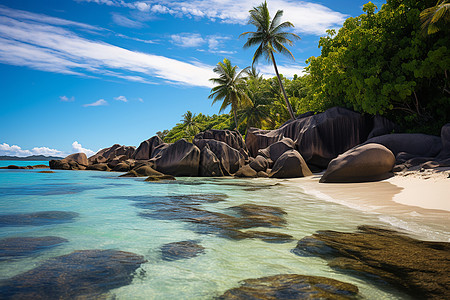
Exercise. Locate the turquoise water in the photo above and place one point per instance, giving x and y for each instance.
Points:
(111, 216)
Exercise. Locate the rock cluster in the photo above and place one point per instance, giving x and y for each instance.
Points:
(353, 147)
(419, 268)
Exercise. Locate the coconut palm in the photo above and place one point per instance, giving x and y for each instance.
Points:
(190, 124)
(431, 17)
(230, 87)
(271, 38)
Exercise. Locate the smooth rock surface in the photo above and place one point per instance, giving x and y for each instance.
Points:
(292, 286)
(178, 159)
(84, 274)
(419, 268)
(209, 163)
(290, 165)
(181, 250)
(369, 162)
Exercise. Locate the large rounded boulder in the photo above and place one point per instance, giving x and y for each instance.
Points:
(209, 163)
(230, 159)
(178, 159)
(145, 149)
(274, 151)
(290, 165)
(231, 138)
(370, 162)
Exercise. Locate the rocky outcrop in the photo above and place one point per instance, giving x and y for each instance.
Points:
(108, 154)
(209, 163)
(246, 171)
(274, 151)
(321, 137)
(230, 159)
(292, 286)
(178, 159)
(145, 149)
(76, 161)
(419, 268)
(98, 167)
(142, 171)
(369, 162)
(259, 164)
(79, 158)
(231, 138)
(84, 274)
(414, 144)
(290, 165)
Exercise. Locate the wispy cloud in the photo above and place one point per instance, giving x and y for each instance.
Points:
(47, 47)
(121, 98)
(136, 39)
(77, 148)
(194, 40)
(66, 99)
(125, 22)
(187, 40)
(15, 150)
(100, 102)
(308, 17)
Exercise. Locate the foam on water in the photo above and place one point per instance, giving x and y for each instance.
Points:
(108, 218)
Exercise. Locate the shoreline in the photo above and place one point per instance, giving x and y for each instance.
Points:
(404, 201)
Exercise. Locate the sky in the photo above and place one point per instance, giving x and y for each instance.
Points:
(82, 75)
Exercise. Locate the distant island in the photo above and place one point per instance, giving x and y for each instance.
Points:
(30, 158)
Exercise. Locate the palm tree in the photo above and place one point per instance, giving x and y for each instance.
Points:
(431, 17)
(271, 38)
(190, 124)
(230, 87)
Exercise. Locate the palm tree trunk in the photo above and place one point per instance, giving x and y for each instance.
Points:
(288, 105)
(235, 119)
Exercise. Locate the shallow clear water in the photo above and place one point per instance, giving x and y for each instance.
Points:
(110, 217)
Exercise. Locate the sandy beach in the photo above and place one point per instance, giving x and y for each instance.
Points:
(418, 197)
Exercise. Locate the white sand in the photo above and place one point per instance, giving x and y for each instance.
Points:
(407, 201)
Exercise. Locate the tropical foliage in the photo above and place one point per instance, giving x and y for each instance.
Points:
(378, 63)
(229, 87)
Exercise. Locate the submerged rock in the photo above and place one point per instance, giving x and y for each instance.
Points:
(292, 286)
(160, 177)
(24, 246)
(419, 268)
(369, 162)
(181, 250)
(86, 274)
(37, 218)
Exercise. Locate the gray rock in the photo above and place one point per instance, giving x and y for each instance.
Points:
(178, 159)
(290, 165)
(259, 164)
(364, 163)
(209, 163)
(145, 149)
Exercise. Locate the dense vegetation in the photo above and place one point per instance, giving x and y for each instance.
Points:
(387, 62)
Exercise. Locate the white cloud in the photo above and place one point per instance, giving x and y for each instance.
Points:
(66, 99)
(142, 6)
(288, 71)
(121, 98)
(100, 102)
(136, 39)
(125, 22)
(187, 40)
(15, 150)
(308, 17)
(140, 100)
(77, 148)
(51, 48)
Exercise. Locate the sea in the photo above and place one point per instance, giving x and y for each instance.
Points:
(133, 215)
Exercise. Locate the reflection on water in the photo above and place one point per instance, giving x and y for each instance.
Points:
(193, 238)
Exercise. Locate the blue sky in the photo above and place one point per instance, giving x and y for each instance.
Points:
(81, 75)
